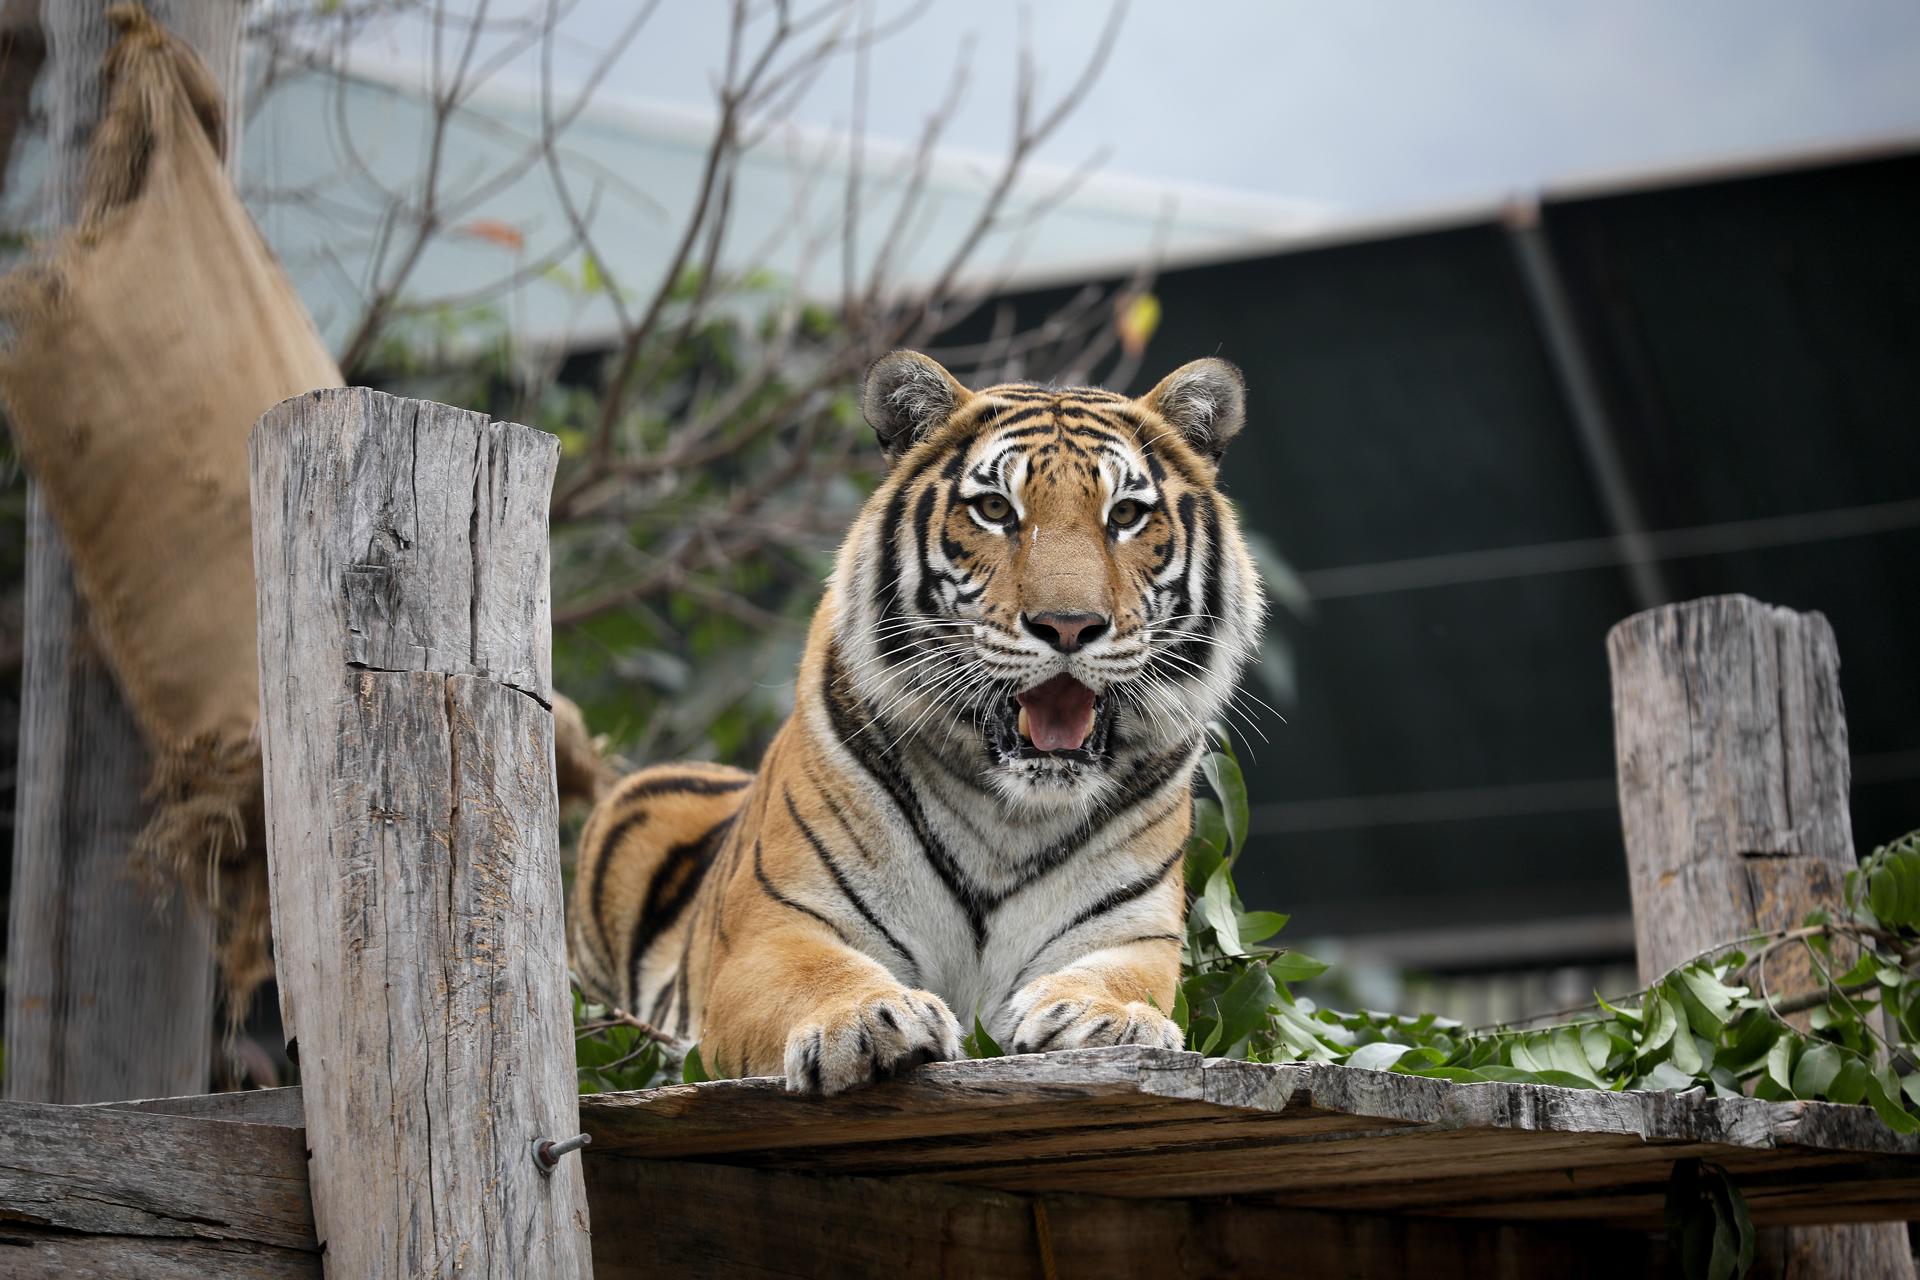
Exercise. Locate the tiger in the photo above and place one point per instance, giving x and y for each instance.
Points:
(979, 803)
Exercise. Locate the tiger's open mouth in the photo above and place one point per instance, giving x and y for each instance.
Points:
(1060, 719)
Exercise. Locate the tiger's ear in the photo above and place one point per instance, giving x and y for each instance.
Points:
(1205, 401)
(906, 399)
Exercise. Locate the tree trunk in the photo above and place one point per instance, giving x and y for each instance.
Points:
(1731, 748)
(110, 992)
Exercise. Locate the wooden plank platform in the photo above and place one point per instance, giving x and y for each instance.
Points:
(1148, 1123)
(1103, 1160)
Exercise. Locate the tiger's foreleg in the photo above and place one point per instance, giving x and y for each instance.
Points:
(1117, 995)
(796, 1001)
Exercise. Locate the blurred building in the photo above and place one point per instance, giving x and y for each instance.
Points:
(1483, 439)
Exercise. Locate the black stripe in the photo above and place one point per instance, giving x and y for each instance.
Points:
(1144, 779)
(885, 770)
(1027, 414)
(596, 875)
(663, 1002)
(1113, 901)
(760, 874)
(840, 816)
(886, 588)
(681, 996)
(1196, 650)
(923, 533)
(847, 890)
(671, 887)
(596, 885)
(695, 783)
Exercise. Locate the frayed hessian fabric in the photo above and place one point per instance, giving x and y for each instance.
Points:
(142, 347)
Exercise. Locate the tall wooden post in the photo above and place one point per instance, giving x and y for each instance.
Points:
(109, 991)
(400, 551)
(1731, 747)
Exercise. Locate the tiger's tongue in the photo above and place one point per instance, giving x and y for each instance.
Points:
(1057, 715)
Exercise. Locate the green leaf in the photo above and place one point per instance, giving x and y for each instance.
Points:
(1565, 1053)
(1213, 1039)
(1547, 1075)
(1661, 1023)
(1258, 926)
(1780, 1062)
(1244, 1005)
(1687, 1054)
(1666, 1078)
(1815, 1071)
(1850, 1085)
(1883, 1092)
(1223, 775)
(1216, 907)
(1883, 894)
(1294, 966)
(1207, 846)
(1733, 1239)
(1710, 996)
(592, 279)
(1597, 1045)
(979, 1044)
(1182, 1014)
(693, 1070)
(1520, 1053)
(1378, 1056)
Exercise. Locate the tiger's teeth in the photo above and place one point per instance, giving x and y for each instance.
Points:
(1026, 730)
(1093, 713)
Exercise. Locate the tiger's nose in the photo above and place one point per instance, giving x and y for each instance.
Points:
(1066, 631)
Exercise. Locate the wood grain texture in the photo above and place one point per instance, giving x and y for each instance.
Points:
(280, 1107)
(1731, 748)
(401, 553)
(764, 1224)
(35, 1253)
(104, 1171)
(1198, 1166)
(109, 985)
(1149, 1124)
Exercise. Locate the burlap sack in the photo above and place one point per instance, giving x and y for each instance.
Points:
(144, 347)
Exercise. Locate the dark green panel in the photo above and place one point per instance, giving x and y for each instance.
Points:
(1758, 344)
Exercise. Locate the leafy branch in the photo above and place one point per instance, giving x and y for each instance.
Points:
(1711, 1023)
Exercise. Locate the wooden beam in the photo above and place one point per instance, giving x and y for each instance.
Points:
(1152, 1124)
(1731, 746)
(401, 556)
(97, 1191)
(758, 1224)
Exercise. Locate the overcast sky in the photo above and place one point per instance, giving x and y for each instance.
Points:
(1362, 104)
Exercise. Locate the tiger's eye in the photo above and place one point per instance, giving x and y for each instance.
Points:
(1124, 513)
(993, 506)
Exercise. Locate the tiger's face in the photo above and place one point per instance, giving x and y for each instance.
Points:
(1049, 586)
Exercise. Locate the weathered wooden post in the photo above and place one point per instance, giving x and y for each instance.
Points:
(1731, 748)
(401, 554)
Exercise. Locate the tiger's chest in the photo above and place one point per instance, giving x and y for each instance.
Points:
(977, 905)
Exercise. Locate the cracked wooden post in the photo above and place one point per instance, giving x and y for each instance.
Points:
(400, 549)
(1731, 749)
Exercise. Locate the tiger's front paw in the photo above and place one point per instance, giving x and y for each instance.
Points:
(843, 1046)
(1060, 1018)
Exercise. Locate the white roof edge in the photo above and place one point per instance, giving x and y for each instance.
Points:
(693, 126)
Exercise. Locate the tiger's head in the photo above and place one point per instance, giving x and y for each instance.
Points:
(1048, 587)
